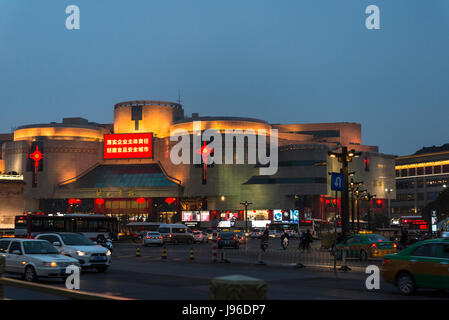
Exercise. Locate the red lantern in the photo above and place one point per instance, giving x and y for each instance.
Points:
(72, 201)
(99, 201)
(140, 200)
(170, 200)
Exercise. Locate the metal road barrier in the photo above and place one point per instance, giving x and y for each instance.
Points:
(313, 257)
(42, 288)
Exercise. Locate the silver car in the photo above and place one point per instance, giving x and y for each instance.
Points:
(152, 237)
(34, 258)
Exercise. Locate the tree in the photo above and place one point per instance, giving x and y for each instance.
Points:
(440, 205)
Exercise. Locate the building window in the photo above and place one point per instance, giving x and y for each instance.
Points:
(428, 170)
(446, 168)
(420, 196)
(420, 171)
(405, 184)
(420, 183)
(432, 196)
(437, 169)
(412, 171)
(403, 172)
(398, 173)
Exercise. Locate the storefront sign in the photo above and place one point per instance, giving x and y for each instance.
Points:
(224, 224)
(126, 146)
(195, 216)
(260, 223)
(277, 215)
(294, 215)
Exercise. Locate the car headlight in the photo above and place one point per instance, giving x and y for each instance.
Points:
(81, 253)
(108, 253)
(50, 264)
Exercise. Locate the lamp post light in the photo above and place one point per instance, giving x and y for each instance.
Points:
(388, 191)
(369, 197)
(246, 204)
(345, 156)
(353, 187)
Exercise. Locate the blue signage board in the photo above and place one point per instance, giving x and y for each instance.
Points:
(337, 181)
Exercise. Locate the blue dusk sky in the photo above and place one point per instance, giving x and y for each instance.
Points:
(288, 61)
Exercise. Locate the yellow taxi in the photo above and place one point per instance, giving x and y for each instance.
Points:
(365, 245)
(424, 264)
(241, 236)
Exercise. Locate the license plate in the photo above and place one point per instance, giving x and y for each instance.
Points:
(99, 258)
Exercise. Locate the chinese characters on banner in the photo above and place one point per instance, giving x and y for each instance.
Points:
(130, 145)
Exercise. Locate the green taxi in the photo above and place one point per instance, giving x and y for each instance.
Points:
(365, 245)
(424, 264)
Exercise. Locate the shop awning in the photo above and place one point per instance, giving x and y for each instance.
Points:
(117, 176)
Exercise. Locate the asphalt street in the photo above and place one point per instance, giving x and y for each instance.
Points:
(150, 277)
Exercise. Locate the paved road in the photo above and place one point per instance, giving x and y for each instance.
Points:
(148, 277)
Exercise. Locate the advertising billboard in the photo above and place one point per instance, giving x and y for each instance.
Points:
(128, 146)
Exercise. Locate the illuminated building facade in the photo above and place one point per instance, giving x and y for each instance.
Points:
(420, 177)
(124, 168)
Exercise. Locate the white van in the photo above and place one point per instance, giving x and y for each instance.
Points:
(176, 233)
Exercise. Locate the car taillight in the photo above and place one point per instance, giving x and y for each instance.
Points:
(233, 238)
(373, 245)
(395, 245)
(170, 235)
(148, 237)
(385, 261)
(159, 237)
(219, 238)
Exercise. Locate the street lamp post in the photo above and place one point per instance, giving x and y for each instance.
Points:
(345, 157)
(246, 204)
(369, 197)
(353, 188)
(388, 191)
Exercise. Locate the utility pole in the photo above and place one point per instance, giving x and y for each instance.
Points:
(345, 157)
(369, 197)
(388, 191)
(246, 204)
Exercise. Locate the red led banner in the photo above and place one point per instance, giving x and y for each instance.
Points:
(129, 145)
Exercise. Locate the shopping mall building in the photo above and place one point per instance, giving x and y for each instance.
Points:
(126, 168)
(420, 177)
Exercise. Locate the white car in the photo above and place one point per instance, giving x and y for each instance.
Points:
(274, 233)
(199, 236)
(75, 245)
(34, 258)
(152, 237)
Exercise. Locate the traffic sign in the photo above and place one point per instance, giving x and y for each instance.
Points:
(337, 181)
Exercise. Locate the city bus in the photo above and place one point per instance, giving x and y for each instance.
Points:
(134, 228)
(93, 226)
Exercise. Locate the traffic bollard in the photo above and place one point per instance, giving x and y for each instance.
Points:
(260, 259)
(298, 262)
(192, 257)
(223, 257)
(344, 267)
(164, 253)
(138, 252)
